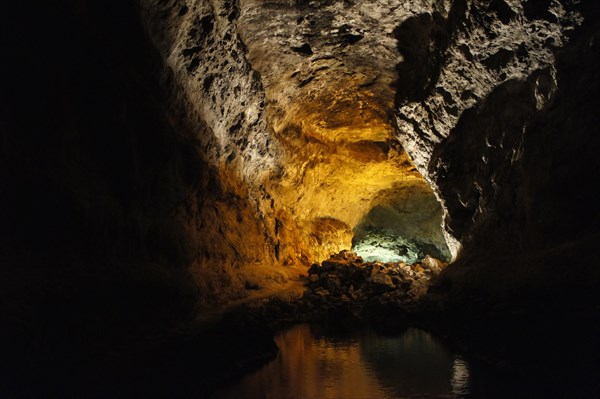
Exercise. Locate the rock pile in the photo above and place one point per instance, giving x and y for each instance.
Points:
(344, 290)
(347, 277)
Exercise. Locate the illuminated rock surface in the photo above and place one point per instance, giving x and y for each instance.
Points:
(313, 111)
(163, 160)
(309, 140)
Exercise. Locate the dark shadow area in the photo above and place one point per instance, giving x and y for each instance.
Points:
(316, 361)
(103, 209)
(422, 41)
(520, 294)
(92, 255)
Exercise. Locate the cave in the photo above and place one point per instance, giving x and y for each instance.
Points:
(295, 198)
(404, 225)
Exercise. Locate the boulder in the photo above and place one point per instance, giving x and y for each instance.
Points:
(334, 284)
(315, 269)
(382, 278)
(432, 264)
(380, 283)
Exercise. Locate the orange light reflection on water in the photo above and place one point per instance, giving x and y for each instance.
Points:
(311, 366)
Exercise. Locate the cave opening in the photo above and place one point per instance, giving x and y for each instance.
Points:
(404, 225)
(364, 196)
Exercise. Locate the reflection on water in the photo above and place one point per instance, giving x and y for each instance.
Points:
(460, 376)
(311, 364)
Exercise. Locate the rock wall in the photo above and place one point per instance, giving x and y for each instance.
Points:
(308, 139)
(310, 111)
(519, 204)
(112, 215)
(117, 227)
(484, 58)
(95, 239)
(154, 168)
(330, 98)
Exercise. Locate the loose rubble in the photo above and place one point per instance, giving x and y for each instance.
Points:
(347, 278)
(345, 290)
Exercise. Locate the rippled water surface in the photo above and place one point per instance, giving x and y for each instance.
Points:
(313, 364)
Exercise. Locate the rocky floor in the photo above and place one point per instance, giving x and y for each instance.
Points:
(347, 277)
(345, 290)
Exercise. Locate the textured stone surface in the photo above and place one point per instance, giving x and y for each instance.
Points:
(524, 196)
(307, 139)
(142, 180)
(215, 89)
(330, 97)
(486, 58)
(315, 112)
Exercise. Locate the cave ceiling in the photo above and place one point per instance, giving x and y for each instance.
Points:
(325, 110)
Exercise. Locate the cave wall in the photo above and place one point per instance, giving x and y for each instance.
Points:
(204, 150)
(115, 223)
(308, 136)
(459, 62)
(497, 117)
(97, 187)
(526, 217)
(329, 101)
(301, 106)
(117, 228)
